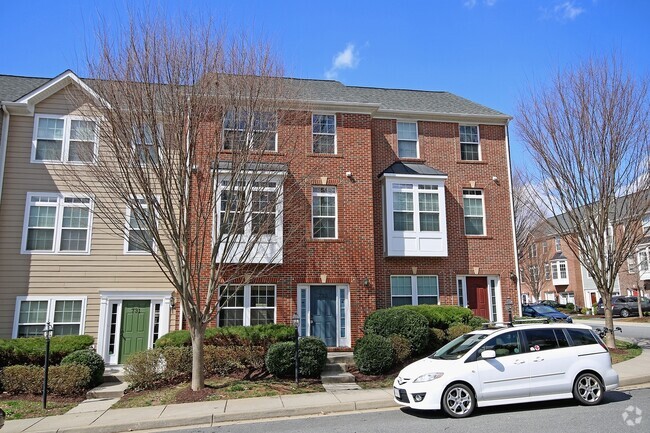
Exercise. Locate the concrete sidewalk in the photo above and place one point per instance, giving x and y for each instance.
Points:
(206, 414)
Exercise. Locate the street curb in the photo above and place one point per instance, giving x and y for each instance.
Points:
(211, 420)
(638, 380)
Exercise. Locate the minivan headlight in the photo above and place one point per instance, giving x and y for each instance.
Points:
(428, 377)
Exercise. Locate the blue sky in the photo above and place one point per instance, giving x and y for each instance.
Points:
(489, 51)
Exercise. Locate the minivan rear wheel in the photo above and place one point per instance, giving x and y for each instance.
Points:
(458, 401)
(625, 313)
(588, 389)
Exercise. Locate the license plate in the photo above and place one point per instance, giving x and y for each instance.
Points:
(396, 392)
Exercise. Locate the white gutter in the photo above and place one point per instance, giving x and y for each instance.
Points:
(512, 220)
(3, 145)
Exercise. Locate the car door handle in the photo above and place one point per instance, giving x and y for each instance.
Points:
(538, 359)
(519, 361)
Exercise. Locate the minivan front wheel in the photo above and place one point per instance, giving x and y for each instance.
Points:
(625, 313)
(588, 389)
(458, 401)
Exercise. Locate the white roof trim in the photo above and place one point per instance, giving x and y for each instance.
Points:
(54, 85)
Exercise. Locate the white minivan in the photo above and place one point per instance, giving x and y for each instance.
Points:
(518, 364)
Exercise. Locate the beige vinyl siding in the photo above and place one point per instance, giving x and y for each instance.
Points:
(105, 268)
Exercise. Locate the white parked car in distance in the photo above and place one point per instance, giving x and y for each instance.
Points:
(517, 364)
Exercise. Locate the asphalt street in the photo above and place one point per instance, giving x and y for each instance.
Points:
(620, 412)
(627, 330)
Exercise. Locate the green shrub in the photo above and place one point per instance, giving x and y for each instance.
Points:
(180, 338)
(90, 359)
(31, 351)
(144, 370)
(373, 354)
(476, 322)
(437, 339)
(569, 306)
(178, 363)
(258, 335)
(401, 348)
(72, 379)
(442, 316)
(401, 321)
(456, 331)
(280, 360)
(221, 360)
(313, 356)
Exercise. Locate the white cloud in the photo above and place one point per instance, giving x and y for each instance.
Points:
(566, 11)
(346, 59)
(469, 4)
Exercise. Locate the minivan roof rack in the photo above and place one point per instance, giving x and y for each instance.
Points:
(516, 322)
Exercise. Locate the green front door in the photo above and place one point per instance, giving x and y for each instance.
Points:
(134, 334)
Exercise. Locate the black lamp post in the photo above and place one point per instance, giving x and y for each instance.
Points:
(295, 320)
(47, 333)
(509, 308)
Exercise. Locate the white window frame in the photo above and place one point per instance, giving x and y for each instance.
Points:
(544, 248)
(335, 134)
(558, 244)
(534, 273)
(416, 141)
(315, 194)
(250, 131)
(65, 141)
(58, 220)
(135, 146)
(477, 143)
(631, 265)
(483, 216)
(128, 229)
(414, 297)
(50, 310)
(532, 252)
(547, 271)
(246, 317)
(556, 269)
(642, 259)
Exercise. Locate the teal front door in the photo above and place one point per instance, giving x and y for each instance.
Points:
(323, 313)
(134, 335)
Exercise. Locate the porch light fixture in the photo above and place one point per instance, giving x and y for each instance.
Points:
(366, 282)
(295, 321)
(47, 333)
(513, 277)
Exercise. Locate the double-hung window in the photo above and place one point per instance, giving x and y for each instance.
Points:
(643, 260)
(558, 244)
(57, 223)
(532, 252)
(65, 314)
(416, 202)
(407, 139)
(474, 209)
(145, 150)
(67, 139)
(324, 212)
(248, 207)
(324, 133)
(139, 238)
(252, 304)
(547, 271)
(470, 149)
(252, 130)
(414, 290)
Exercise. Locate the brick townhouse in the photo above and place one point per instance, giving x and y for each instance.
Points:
(407, 201)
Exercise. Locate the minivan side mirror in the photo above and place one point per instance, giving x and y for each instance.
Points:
(488, 354)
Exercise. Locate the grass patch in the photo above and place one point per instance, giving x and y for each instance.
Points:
(217, 388)
(21, 407)
(624, 351)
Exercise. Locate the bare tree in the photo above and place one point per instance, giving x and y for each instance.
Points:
(587, 132)
(189, 153)
(535, 263)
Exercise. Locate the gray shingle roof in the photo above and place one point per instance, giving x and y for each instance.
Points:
(13, 88)
(412, 168)
(323, 91)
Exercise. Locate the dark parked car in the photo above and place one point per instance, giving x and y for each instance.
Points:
(2, 418)
(625, 306)
(545, 312)
(554, 304)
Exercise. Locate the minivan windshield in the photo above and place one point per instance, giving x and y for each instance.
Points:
(458, 347)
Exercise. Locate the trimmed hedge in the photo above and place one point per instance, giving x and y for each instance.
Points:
(90, 359)
(31, 351)
(280, 358)
(258, 335)
(373, 354)
(401, 321)
(65, 380)
(401, 348)
(441, 316)
(144, 370)
(456, 331)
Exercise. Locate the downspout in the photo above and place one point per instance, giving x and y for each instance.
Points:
(3, 146)
(512, 219)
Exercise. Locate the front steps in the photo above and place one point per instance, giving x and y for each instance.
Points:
(335, 376)
(113, 386)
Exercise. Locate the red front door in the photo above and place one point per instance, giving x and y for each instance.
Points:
(477, 296)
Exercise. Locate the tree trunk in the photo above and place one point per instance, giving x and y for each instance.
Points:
(197, 333)
(638, 301)
(610, 340)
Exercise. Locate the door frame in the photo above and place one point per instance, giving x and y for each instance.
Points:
(495, 307)
(304, 311)
(110, 298)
